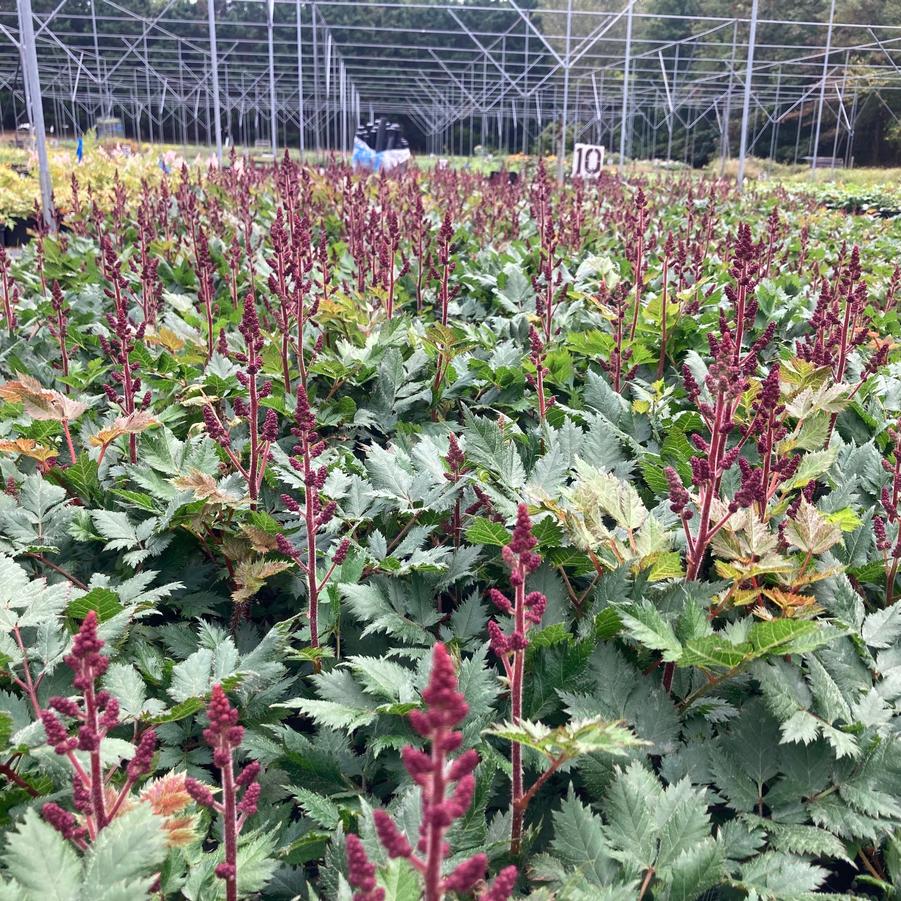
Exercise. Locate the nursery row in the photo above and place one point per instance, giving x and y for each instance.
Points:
(446, 536)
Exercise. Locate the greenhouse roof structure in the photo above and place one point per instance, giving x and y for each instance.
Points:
(620, 73)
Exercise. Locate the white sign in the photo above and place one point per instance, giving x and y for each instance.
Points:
(588, 160)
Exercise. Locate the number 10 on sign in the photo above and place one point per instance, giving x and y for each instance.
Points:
(588, 160)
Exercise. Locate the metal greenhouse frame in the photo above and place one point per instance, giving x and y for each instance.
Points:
(583, 69)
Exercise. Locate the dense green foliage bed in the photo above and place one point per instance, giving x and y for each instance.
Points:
(620, 461)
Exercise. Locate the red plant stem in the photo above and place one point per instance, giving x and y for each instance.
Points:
(7, 305)
(618, 342)
(639, 274)
(97, 799)
(204, 287)
(421, 267)
(516, 692)
(30, 687)
(16, 779)
(662, 361)
(549, 300)
(68, 435)
(128, 391)
(767, 462)
(435, 840)
(286, 369)
(311, 566)
(390, 304)
(444, 293)
(230, 826)
(717, 440)
(67, 575)
(539, 382)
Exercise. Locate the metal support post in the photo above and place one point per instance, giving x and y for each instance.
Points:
(36, 106)
(816, 139)
(746, 105)
(317, 106)
(774, 133)
(214, 72)
(624, 118)
(561, 153)
(300, 111)
(724, 143)
(273, 108)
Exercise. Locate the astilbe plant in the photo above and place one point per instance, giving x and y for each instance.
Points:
(668, 250)
(261, 437)
(617, 367)
(240, 790)
(119, 346)
(890, 501)
(289, 264)
(10, 290)
(635, 251)
(840, 323)
(58, 326)
(447, 787)
(456, 471)
(537, 356)
(726, 382)
(148, 263)
(527, 609)
(94, 714)
(548, 281)
(389, 243)
(316, 512)
(443, 267)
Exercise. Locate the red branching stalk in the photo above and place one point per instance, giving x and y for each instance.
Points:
(10, 290)
(75, 218)
(205, 289)
(537, 357)
(890, 499)
(639, 226)
(302, 265)
(224, 736)
(280, 264)
(422, 246)
(261, 438)
(148, 261)
(664, 303)
(388, 247)
(125, 336)
(445, 293)
(773, 231)
(447, 265)
(315, 512)
(840, 324)
(94, 714)
(306, 311)
(447, 788)
(456, 471)
(726, 381)
(892, 291)
(59, 327)
(620, 355)
(527, 610)
(549, 278)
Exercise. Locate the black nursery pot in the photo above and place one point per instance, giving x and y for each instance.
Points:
(17, 234)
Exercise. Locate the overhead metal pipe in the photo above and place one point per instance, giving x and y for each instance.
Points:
(746, 105)
(561, 153)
